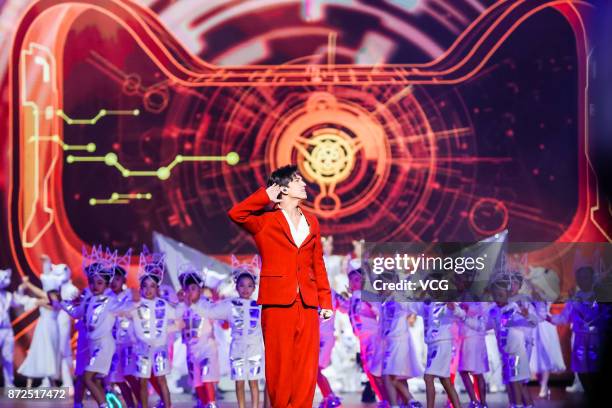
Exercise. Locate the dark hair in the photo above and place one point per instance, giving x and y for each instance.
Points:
(358, 271)
(152, 277)
(107, 277)
(120, 271)
(105, 273)
(283, 175)
(242, 275)
(587, 269)
(190, 279)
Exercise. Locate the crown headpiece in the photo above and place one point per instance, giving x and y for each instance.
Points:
(100, 262)
(151, 264)
(248, 268)
(187, 270)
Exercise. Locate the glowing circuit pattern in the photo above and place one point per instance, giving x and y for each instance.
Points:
(392, 150)
(118, 198)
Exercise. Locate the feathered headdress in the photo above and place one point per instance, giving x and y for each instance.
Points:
(151, 265)
(251, 269)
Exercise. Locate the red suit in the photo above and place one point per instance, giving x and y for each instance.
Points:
(293, 283)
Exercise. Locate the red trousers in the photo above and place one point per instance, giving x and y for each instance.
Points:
(291, 337)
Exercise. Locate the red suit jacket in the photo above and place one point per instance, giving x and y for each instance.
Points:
(285, 267)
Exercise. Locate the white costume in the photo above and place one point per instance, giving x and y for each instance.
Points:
(473, 346)
(123, 333)
(364, 320)
(153, 319)
(400, 356)
(524, 300)
(43, 359)
(439, 320)
(247, 348)
(197, 334)
(508, 323)
(64, 323)
(546, 355)
(7, 339)
(98, 314)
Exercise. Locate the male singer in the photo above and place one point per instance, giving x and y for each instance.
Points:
(293, 285)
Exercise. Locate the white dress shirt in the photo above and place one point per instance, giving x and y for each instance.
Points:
(300, 233)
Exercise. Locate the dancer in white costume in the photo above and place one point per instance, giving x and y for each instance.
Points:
(364, 320)
(153, 319)
(64, 324)
(439, 317)
(400, 360)
(8, 300)
(61, 273)
(43, 359)
(244, 315)
(473, 358)
(508, 320)
(338, 279)
(123, 333)
(546, 357)
(89, 265)
(196, 324)
(340, 324)
(99, 312)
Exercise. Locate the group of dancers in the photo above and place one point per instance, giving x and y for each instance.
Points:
(455, 334)
(125, 335)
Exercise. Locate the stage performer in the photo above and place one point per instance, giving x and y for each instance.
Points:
(198, 335)
(293, 285)
(244, 315)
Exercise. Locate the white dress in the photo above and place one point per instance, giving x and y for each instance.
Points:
(473, 356)
(44, 355)
(43, 359)
(400, 356)
(364, 321)
(546, 354)
(439, 320)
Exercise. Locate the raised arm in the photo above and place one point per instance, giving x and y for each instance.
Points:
(35, 290)
(247, 213)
